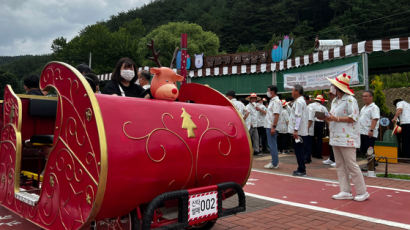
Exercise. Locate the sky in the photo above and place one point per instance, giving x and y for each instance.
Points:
(30, 26)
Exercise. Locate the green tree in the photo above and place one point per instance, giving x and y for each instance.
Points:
(9, 79)
(167, 37)
(379, 97)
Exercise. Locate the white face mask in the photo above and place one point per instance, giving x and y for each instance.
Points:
(269, 94)
(333, 90)
(128, 75)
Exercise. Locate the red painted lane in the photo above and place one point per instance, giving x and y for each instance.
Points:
(383, 203)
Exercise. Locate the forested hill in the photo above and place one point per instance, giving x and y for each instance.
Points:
(220, 26)
(246, 22)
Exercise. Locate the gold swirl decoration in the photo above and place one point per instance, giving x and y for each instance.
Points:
(148, 137)
(76, 171)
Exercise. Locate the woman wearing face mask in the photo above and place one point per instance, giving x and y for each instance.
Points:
(345, 138)
(123, 79)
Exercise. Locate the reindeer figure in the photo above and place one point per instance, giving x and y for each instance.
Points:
(163, 84)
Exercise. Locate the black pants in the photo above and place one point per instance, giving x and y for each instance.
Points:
(317, 139)
(307, 148)
(300, 156)
(405, 140)
(283, 141)
(365, 143)
(262, 137)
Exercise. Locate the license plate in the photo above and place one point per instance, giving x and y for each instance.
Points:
(202, 207)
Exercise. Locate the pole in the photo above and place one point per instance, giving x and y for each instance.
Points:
(89, 61)
(183, 56)
(365, 71)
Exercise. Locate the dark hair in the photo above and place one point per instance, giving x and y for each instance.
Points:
(299, 89)
(307, 97)
(92, 80)
(116, 74)
(145, 74)
(83, 68)
(369, 91)
(231, 93)
(397, 101)
(31, 81)
(273, 88)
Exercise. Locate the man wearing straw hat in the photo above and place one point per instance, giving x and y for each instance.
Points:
(318, 126)
(345, 138)
(252, 108)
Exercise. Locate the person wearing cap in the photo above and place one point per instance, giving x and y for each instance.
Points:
(344, 131)
(252, 121)
(282, 129)
(318, 126)
(369, 122)
(331, 160)
(239, 106)
(298, 127)
(403, 116)
(271, 122)
(261, 108)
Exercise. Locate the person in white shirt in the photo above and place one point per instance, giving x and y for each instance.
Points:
(403, 115)
(344, 138)
(308, 145)
(271, 122)
(263, 141)
(282, 128)
(144, 78)
(369, 122)
(318, 126)
(252, 120)
(298, 127)
(239, 106)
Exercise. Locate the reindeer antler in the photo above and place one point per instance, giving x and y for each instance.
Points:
(155, 53)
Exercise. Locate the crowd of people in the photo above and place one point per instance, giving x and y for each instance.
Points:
(298, 123)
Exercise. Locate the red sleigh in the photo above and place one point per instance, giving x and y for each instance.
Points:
(120, 162)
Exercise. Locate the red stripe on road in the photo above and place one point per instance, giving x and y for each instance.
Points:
(385, 204)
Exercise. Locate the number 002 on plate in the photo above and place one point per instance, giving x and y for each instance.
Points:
(202, 207)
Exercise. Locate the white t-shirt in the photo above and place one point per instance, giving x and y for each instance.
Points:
(317, 107)
(239, 106)
(405, 115)
(311, 117)
(275, 107)
(299, 111)
(342, 133)
(261, 116)
(367, 114)
(252, 118)
(282, 126)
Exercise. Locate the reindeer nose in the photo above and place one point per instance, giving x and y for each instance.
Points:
(174, 91)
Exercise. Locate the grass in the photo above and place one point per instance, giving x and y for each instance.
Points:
(395, 176)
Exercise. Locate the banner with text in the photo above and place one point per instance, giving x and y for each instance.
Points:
(317, 79)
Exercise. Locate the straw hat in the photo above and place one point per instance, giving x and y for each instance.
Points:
(320, 98)
(342, 82)
(254, 96)
(396, 130)
(284, 102)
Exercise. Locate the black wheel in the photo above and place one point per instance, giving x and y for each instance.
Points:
(204, 226)
(135, 222)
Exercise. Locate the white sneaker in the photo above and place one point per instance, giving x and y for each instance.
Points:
(362, 197)
(333, 165)
(343, 196)
(271, 166)
(328, 162)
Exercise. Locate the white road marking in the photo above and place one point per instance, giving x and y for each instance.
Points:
(331, 211)
(326, 180)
